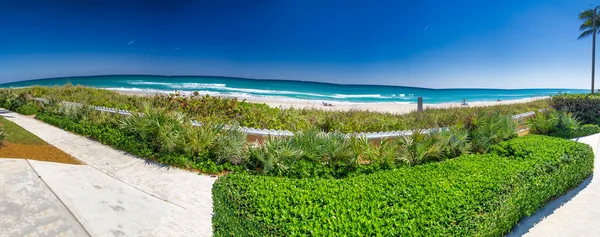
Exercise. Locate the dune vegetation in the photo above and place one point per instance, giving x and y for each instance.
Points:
(472, 177)
(234, 112)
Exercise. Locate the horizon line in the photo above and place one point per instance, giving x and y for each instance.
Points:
(287, 80)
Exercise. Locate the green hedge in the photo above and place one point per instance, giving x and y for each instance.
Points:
(481, 195)
(585, 107)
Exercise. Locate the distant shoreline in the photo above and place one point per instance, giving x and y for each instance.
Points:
(278, 80)
(383, 107)
(299, 93)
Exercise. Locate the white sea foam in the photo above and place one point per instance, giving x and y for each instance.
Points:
(147, 83)
(344, 96)
(196, 85)
(129, 89)
(222, 89)
(179, 85)
(240, 95)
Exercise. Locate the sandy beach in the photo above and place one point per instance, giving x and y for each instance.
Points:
(395, 108)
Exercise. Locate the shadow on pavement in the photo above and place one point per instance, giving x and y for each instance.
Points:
(528, 222)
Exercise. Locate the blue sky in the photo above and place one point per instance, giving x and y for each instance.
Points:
(428, 43)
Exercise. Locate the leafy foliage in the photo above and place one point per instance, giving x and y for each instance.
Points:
(230, 111)
(586, 27)
(164, 133)
(584, 107)
(472, 195)
(27, 109)
(419, 148)
(559, 124)
(160, 128)
(486, 130)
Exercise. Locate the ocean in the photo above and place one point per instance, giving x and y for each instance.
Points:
(292, 90)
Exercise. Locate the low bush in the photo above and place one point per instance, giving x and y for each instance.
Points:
(472, 195)
(487, 129)
(585, 107)
(559, 124)
(580, 131)
(27, 109)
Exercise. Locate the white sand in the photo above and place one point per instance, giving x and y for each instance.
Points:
(396, 108)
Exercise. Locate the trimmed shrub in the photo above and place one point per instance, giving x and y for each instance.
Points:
(472, 195)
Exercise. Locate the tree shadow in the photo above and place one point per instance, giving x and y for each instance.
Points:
(529, 222)
(156, 164)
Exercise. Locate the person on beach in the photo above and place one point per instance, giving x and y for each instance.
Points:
(464, 103)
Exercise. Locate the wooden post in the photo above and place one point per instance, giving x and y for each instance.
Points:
(420, 104)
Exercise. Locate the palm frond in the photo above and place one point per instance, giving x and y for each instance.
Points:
(587, 14)
(585, 34)
(587, 17)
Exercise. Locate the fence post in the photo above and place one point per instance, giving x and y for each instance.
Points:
(420, 104)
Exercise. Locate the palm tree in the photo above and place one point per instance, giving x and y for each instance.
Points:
(590, 21)
(587, 27)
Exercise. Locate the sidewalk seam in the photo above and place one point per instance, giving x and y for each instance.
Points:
(57, 197)
(130, 185)
(133, 160)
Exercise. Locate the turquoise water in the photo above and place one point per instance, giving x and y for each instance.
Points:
(292, 90)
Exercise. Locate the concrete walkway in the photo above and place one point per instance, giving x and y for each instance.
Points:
(576, 213)
(28, 207)
(114, 194)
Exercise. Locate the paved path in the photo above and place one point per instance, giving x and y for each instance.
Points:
(116, 194)
(28, 207)
(575, 214)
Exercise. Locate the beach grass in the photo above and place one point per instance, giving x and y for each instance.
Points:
(259, 115)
